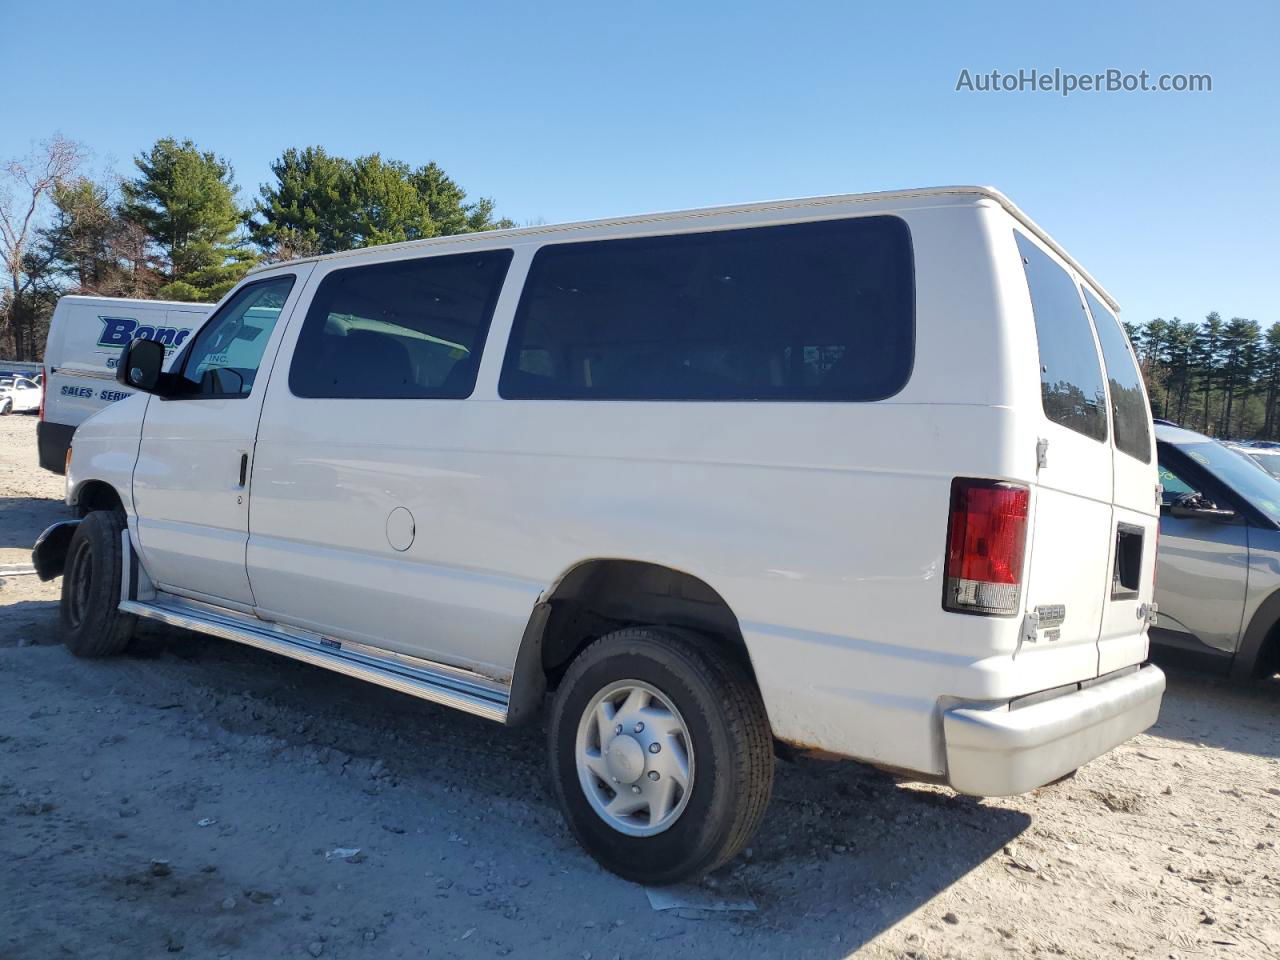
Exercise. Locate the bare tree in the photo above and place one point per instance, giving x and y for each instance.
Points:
(27, 183)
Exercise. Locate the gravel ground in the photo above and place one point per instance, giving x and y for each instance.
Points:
(187, 799)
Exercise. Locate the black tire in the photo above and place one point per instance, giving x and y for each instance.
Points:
(92, 624)
(6, 408)
(730, 738)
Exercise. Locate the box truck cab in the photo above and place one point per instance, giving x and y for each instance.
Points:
(868, 474)
(86, 335)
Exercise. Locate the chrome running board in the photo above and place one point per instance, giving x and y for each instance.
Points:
(436, 682)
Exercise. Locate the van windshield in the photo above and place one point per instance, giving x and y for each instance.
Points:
(1241, 473)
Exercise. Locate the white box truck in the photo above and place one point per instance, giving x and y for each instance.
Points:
(86, 335)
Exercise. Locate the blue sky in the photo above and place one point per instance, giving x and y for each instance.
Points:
(565, 111)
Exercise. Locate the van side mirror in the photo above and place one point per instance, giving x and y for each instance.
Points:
(1201, 513)
(1195, 506)
(141, 364)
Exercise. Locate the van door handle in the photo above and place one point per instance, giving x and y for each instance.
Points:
(244, 468)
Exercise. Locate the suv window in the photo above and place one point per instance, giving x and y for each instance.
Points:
(1173, 486)
(1070, 376)
(1233, 470)
(1129, 417)
(406, 329)
(812, 311)
(224, 357)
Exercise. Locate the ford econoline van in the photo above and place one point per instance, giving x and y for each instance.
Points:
(867, 475)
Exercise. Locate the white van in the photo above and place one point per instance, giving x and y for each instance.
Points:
(86, 335)
(870, 475)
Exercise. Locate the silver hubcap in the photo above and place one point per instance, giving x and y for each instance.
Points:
(635, 761)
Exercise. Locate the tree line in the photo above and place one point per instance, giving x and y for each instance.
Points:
(176, 228)
(1221, 377)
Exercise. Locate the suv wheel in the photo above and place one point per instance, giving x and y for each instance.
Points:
(92, 624)
(6, 407)
(661, 754)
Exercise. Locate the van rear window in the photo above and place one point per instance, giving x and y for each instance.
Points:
(1070, 375)
(1129, 417)
(812, 311)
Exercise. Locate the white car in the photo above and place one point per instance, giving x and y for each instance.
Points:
(19, 395)
(871, 475)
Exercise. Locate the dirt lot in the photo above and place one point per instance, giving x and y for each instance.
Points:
(187, 799)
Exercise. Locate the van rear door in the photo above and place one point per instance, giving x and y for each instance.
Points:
(1070, 537)
(1123, 639)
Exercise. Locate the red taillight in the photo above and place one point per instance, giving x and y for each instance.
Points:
(44, 392)
(986, 536)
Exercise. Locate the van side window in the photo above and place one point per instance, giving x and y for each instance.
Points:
(225, 355)
(399, 330)
(1070, 376)
(1129, 417)
(810, 311)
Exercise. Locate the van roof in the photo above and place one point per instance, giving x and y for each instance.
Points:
(972, 194)
(79, 298)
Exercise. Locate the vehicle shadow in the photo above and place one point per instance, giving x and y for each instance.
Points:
(879, 849)
(27, 621)
(1242, 716)
(22, 519)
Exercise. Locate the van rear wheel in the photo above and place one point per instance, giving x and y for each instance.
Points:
(661, 754)
(6, 407)
(92, 624)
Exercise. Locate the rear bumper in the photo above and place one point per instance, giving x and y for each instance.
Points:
(52, 441)
(995, 751)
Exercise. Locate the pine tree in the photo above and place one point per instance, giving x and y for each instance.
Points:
(1208, 359)
(310, 208)
(1239, 367)
(1180, 359)
(1151, 341)
(1269, 379)
(79, 239)
(322, 203)
(446, 203)
(387, 207)
(185, 200)
(90, 246)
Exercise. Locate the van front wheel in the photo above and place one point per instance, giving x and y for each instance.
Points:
(661, 754)
(92, 624)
